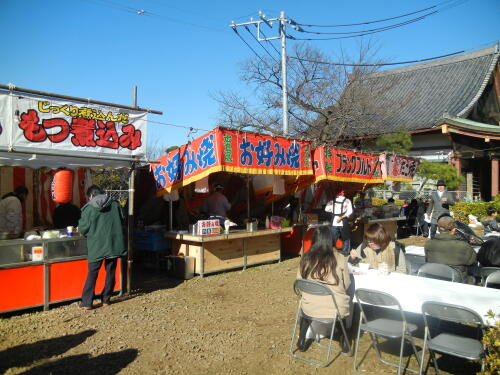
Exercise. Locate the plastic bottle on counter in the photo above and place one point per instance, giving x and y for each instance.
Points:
(267, 222)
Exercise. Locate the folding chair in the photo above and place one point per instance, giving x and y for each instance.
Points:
(413, 263)
(417, 225)
(385, 327)
(484, 272)
(318, 289)
(440, 271)
(452, 343)
(493, 278)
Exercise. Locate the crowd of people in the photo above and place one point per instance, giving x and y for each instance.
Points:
(328, 260)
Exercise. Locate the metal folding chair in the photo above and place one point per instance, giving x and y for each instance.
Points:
(452, 343)
(318, 289)
(440, 271)
(484, 272)
(385, 327)
(413, 263)
(493, 278)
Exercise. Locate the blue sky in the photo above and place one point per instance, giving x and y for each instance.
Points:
(178, 53)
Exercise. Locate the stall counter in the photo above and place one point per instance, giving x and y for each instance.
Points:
(55, 274)
(238, 249)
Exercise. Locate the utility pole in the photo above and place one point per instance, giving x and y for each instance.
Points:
(130, 221)
(282, 36)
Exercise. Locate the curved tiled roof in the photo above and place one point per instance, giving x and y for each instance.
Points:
(422, 94)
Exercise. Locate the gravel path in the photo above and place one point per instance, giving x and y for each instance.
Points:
(232, 323)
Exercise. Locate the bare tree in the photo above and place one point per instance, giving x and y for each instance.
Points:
(326, 101)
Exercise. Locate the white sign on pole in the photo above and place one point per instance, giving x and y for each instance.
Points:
(33, 123)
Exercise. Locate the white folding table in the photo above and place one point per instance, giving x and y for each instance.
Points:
(413, 291)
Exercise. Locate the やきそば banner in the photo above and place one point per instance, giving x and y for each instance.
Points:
(232, 151)
(30, 122)
(398, 167)
(348, 166)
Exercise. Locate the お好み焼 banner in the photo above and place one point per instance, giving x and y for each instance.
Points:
(232, 151)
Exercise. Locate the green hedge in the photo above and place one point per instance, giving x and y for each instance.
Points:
(462, 210)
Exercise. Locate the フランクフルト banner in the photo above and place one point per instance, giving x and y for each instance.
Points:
(347, 166)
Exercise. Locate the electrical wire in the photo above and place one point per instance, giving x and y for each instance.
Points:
(248, 45)
(262, 45)
(361, 34)
(375, 21)
(369, 30)
(48, 99)
(146, 13)
(189, 127)
(278, 52)
(380, 64)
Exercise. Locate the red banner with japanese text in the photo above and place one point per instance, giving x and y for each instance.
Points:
(35, 123)
(232, 151)
(246, 152)
(348, 166)
(398, 167)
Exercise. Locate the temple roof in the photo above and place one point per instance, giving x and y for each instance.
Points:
(420, 95)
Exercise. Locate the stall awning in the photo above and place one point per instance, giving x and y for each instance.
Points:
(37, 160)
(234, 151)
(398, 167)
(346, 166)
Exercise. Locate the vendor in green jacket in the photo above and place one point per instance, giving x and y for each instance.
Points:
(446, 248)
(101, 223)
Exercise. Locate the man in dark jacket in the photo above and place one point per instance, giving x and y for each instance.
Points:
(490, 222)
(101, 223)
(448, 249)
(440, 203)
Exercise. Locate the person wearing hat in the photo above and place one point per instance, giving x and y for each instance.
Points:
(447, 248)
(440, 202)
(216, 205)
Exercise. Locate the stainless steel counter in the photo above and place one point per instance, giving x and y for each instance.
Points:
(18, 252)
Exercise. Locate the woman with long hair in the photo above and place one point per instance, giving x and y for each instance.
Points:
(378, 248)
(328, 266)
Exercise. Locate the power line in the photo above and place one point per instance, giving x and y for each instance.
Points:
(375, 21)
(143, 12)
(260, 44)
(369, 30)
(359, 33)
(178, 125)
(249, 46)
(380, 64)
(364, 33)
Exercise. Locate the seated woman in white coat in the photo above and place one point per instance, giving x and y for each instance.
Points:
(379, 250)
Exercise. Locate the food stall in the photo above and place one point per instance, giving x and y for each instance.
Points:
(397, 168)
(246, 153)
(336, 169)
(40, 132)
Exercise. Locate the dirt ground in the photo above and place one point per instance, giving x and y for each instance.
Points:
(236, 322)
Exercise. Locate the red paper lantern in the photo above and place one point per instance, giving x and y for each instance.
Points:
(61, 188)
